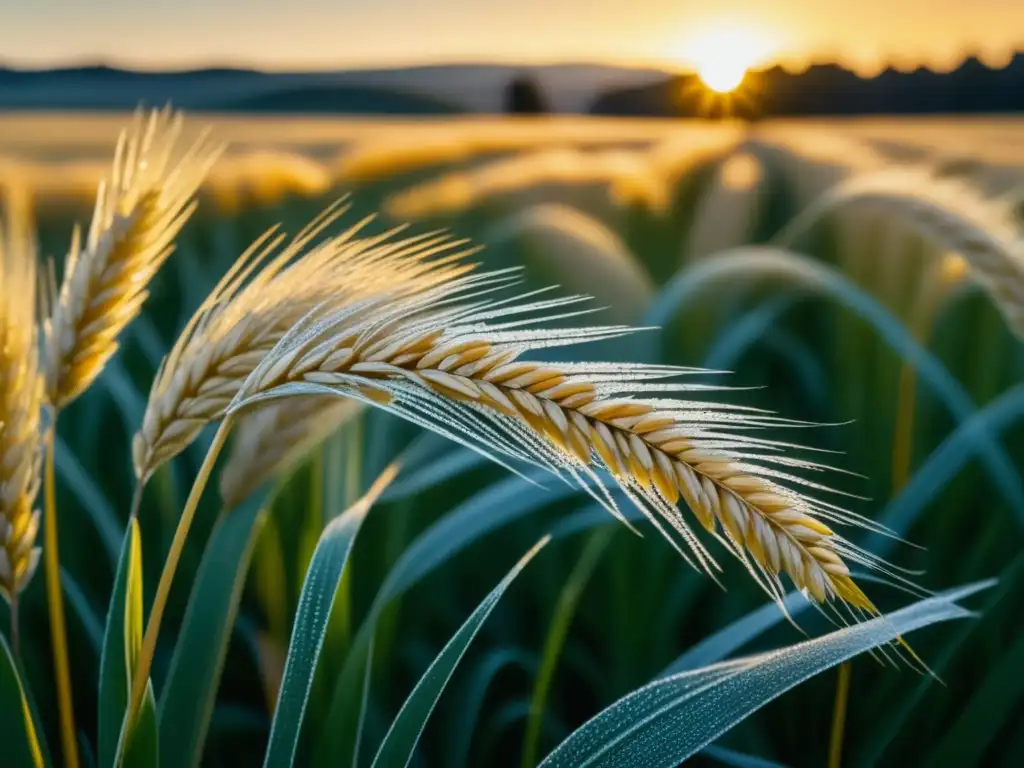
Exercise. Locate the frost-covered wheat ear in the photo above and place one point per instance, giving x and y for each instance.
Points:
(21, 397)
(140, 208)
(450, 357)
(270, 288)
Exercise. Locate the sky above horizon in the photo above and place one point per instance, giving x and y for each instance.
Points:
(314, 34)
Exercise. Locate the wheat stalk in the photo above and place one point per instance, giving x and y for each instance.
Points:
(140, 208)
(265, 293)
(437, 351)
(21, 398)
(437, 359)
(951, 213)
(273, 439)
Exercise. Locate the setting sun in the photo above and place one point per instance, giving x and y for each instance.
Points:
(722, 56)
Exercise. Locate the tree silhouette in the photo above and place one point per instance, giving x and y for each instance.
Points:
(524, 96)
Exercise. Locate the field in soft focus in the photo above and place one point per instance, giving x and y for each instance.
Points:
(881, 334)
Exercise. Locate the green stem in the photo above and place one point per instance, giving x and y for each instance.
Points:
(140, 486)
(835, 748)
(55, 604)
(15, 629)
(163, 589)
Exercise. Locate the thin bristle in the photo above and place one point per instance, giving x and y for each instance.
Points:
(21, 400)
(140, 208)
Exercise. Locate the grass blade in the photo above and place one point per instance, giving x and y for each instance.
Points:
(473, 695)
(557, 632)
(189, 693)
(499, 504)
(669, 720)
(117, 660)
(143, 749)
(18, 735)
(400, 741)
(324, 573)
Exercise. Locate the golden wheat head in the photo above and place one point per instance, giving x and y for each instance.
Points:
(140, 208)
(270, 288)
(449, 356)
(21, 398)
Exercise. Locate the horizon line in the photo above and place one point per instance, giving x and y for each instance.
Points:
(791, 65)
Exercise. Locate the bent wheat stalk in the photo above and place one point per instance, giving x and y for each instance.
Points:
(447, 354)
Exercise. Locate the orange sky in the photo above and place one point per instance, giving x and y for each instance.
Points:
(340, 33)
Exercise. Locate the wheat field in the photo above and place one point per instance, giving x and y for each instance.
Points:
(787, 355)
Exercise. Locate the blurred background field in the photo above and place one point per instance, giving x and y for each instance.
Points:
(879, 332)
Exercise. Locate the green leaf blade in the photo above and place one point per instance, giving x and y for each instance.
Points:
(115, 661)
(311, 621)
(401, 739)
(18, 735)
(189, 693)
(668, 721)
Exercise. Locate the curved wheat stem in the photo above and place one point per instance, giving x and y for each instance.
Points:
(140, 208)
(271, 440)
(955, 215)
(266, 292)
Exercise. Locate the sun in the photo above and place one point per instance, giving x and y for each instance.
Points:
(723, 55)
(722, 74)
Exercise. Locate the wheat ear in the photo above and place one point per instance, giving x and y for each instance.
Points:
(269, 289)
(275, 437)
(440, 359)
(953, 214)
(21, 398)
(140, 208)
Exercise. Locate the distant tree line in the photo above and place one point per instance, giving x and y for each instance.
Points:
(832, 90)
(524, 96)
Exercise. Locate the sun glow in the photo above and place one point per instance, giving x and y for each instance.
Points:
(722, 55)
